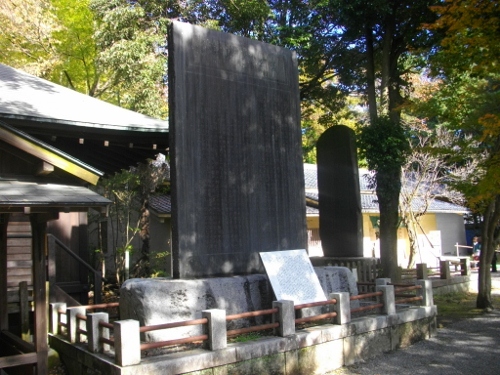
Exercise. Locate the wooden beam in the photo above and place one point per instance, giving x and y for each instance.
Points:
(18, 360)
(4, 312)
(39, 233)
(15, 343)
(43, 217)
(45, 169)
(24, 311)
(52, 210)
(48, 156)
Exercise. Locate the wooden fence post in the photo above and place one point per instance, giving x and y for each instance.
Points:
(24, 311)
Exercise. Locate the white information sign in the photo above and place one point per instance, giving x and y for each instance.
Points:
(292, 276)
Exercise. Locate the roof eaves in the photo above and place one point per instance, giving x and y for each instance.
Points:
(158, 129)
(49, 154)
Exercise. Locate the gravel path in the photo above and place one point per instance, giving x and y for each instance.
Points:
(470, 346)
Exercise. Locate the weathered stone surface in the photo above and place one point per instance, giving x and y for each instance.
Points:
(407, 334)
(159, 301)
(367, 345)
(321, 359)
(268, 365)
(336, 279)
(237, 176)
(340, 219)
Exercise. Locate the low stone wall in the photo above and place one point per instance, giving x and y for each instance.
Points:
(316, 350)
(454, 285)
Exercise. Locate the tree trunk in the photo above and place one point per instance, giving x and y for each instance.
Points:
(386, 62)
(484, 283)
(370, 74)
(489, 240)
(388, 188)
(142, 267)
(412, 237)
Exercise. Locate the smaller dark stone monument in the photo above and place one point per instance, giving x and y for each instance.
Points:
(340, 218)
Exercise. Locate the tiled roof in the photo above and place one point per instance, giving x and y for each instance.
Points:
(369, 202)
(161, 204)
(310, 176)
(311, 210)
(26, 97)
(15, 193)
(99, 134)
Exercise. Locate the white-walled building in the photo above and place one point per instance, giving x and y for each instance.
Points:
(442, 227)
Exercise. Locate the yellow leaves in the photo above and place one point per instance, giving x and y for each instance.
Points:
(471, 28)
(491, 126)
(488, 186)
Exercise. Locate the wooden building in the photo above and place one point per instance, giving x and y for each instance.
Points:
(37, 184)
(54, 143)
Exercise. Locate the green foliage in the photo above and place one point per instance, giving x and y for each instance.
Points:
(467, 103)
(383, 144)
(248, 17)
(75, 47)
(316, 119)
(158, 262)
(131, 45)
(123, 249)
(247, 337)
(110, 50)
(26, 35)
(128, 191)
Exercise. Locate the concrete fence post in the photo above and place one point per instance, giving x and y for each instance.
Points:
(465, 266)
(74, 323)
(95, 332)
(127, 342)
(342, 307)
(216, 328)
(285, 317)
(422, 272)
(387, 298)
(54, 316)
(354, 272)
(444, 268)
(382, 281)
(426, 292)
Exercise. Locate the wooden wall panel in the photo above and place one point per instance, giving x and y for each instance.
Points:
(19, 257)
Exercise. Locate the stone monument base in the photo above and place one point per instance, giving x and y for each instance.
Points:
(161, 300)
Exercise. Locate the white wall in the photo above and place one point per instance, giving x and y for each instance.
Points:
(452, 229)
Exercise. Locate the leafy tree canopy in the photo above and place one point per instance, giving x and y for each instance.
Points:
(467, 102)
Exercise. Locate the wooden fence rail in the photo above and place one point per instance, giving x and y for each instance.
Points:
(126, 333)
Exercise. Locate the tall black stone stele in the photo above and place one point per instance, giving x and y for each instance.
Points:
(235, 147)
(340, 218)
